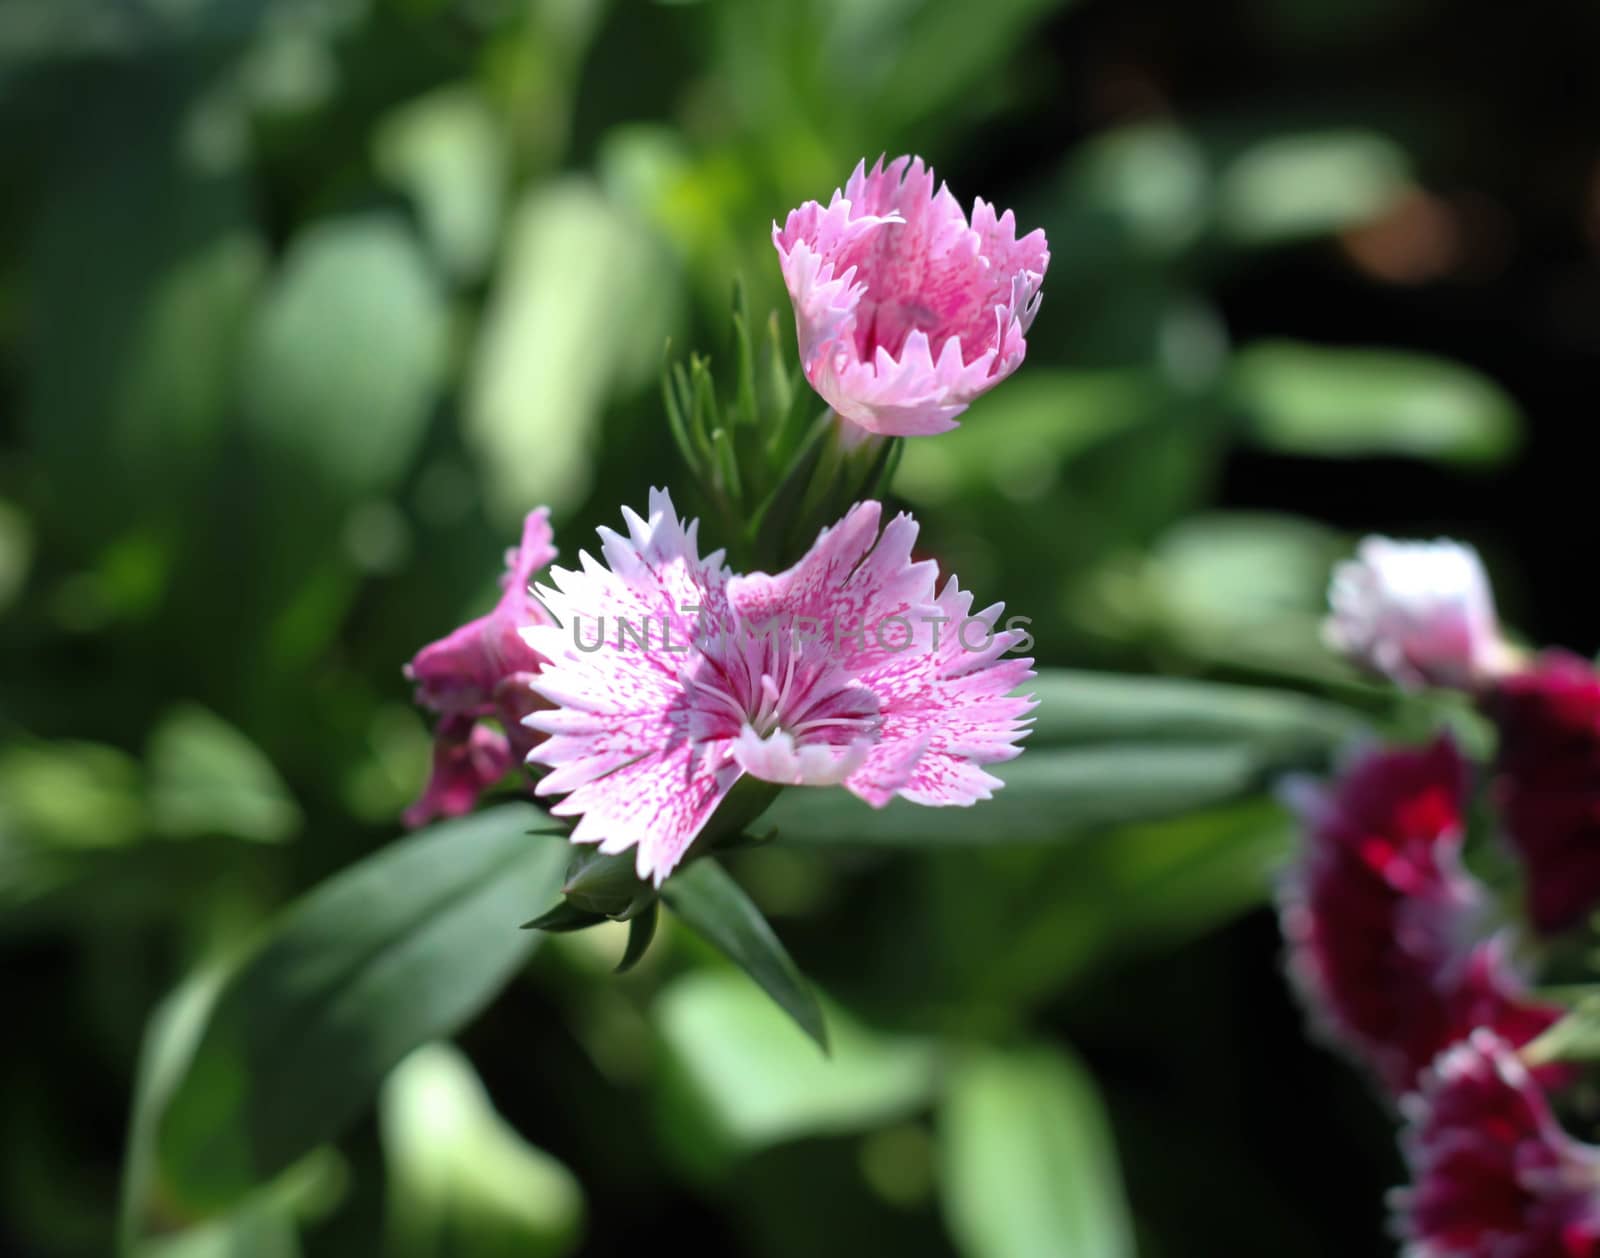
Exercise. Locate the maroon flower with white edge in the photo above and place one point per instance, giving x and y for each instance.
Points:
(905, 311)
(482, 671)
(1384, 926)
(1493, 1175)
(671, 678)
(1547, 783)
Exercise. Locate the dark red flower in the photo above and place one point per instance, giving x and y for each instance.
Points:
(1384, 927)
(1492, 1173)
(1547, 783)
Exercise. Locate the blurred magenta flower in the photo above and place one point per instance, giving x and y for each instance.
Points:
(905, 311)
(480, 671)
(1547, 782)
(1385, 928)
(1419, 613)
(672, 678)
(468, 758)
(1492, 1173)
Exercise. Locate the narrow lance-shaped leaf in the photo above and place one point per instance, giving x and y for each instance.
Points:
(714, 906)
(401, 949)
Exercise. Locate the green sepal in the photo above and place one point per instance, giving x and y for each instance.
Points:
(641, 930)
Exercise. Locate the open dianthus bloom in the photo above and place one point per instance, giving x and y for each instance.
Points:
(1493, 1174)
(905, 311)
(672, 678)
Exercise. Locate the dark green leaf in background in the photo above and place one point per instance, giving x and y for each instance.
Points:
(395, 951)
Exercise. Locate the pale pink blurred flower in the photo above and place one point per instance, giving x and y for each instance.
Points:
(905, 311)
(482, 671)
(790, 678)
(1420, 613)
(1493, 1175)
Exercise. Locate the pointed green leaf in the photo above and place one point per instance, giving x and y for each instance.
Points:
(400, 949)
(714, 906)
(1028, 1165)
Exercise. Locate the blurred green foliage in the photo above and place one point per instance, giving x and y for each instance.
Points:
(302, 304)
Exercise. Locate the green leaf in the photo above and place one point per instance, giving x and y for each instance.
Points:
(1017, 438)
(1575, 1038)
(1083, 707)
(740, 1079)
(1146, 188)
(169, 1042)
(1289, 187)
(263, 1230)
(583, 300)
(208, 778)
(400, 949)
(264, 1225)
(448, 151)
(346, 356)
(70, 795)
(1246, 588)
(462, 1182)
(1358, 403)
(1049, 793)
(1028, 1166)
(712, 905)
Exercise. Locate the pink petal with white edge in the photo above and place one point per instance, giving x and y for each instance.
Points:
(618, 733)
(947, 712)
(904, 311)
(853, 583)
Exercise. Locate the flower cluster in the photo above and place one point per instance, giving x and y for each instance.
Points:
(1394, 946)
(854, 667)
